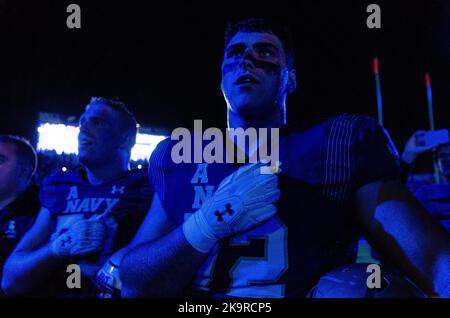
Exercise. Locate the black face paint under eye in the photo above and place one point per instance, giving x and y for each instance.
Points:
(269, 67)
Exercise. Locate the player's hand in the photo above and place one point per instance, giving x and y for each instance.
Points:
(82, 238)
(242, 201)
(111, 226)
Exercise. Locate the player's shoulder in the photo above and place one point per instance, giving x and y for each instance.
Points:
(161, 152)
(355, 128)
(135, 176)
(363, 132)
(338, 126)
(59, 178)
(353, 121)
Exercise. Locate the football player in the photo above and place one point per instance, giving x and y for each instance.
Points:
(339, 178)
(19, 202)
(86, 214)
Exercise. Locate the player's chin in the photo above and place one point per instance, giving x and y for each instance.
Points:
(253, 100)
(248, 92)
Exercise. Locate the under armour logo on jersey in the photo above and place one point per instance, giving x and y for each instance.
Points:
(115, 189)
(221, 214)
(11, 233)
(66, 241)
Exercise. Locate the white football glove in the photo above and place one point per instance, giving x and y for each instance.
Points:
(242, 201)
(82, 238)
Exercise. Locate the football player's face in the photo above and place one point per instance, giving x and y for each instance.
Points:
(254, 73)
(9, 168)
(99, 139)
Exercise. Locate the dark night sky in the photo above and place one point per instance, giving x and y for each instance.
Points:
(164, 60)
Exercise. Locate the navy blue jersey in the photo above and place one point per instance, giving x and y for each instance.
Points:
(70, 197)
(314, 230)
(15, 220)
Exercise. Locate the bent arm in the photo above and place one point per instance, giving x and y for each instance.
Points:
(32, 261)
(161, 262)
(395, 224)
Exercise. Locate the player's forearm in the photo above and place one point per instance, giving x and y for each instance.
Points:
(162, 268)
(433, 260)
(418, 245)
(25, 271)
(398, 226)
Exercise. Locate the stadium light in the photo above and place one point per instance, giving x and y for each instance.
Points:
(64, 139)
(145, 144)
(58, 137)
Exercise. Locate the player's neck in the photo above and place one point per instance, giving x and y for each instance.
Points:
(235, 120)
(272, 121)
(106, 172)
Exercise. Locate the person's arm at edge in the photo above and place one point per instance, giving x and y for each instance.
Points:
(398, 227)
(32, 261)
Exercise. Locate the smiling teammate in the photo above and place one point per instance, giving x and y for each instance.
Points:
(86, 214)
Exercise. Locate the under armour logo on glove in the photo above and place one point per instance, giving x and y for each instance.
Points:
(115, 189)
(67, 241)
(221, 214)
(248, 196)
(81, 238)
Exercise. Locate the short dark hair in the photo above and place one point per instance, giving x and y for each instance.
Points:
(25, 150)
(128, 120)
(266, 26)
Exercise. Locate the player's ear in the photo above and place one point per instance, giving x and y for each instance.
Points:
(25, 171)
(126, 141)
(292, 81)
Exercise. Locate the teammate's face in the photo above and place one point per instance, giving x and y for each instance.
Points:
(254, 73)
(100, 135)
(10, 168)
